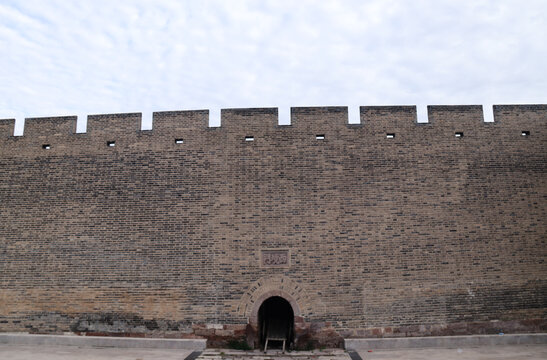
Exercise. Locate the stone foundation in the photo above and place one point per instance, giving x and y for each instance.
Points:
(452, 329)
(308, 335)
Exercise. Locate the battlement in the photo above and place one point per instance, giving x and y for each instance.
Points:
(319, 118)
(6, 128)
(531, 117)
(174, 122)
(374, 120)
(251, 119)
(114, 124)
(45, 127)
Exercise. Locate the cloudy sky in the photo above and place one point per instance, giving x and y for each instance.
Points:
(88, 57)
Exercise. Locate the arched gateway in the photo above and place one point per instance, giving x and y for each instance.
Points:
(276, 322)
(274, 309)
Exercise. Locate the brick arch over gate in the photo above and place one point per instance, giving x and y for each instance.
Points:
(303, 302)
(306, 305)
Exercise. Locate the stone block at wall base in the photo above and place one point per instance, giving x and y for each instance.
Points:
(444, 341)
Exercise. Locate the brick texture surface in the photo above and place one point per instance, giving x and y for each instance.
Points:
(424, 233)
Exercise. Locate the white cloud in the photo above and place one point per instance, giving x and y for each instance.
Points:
(101, 56)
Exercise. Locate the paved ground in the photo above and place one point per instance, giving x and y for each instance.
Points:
(28, 352)
(505, 352)
(48, 352)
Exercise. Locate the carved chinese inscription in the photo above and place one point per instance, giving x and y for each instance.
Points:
(275, 257)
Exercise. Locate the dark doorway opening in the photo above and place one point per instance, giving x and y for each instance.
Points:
(276, 320)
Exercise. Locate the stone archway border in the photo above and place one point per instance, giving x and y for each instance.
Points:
(303, 302)
(306, 306)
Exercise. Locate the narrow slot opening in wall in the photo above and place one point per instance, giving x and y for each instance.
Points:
(320, 137)
(458, 134)
(110, 143)
(249, 138)
(46, 146)
(390, 136)
(179, 141)
(525, 133)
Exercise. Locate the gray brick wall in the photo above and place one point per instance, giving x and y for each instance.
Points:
(426, 233)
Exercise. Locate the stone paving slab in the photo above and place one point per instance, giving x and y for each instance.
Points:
(503, 352)
(58, 352)
(50, 352)
(102, 341)
(444, 341)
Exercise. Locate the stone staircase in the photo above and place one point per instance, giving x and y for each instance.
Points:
(275, 354)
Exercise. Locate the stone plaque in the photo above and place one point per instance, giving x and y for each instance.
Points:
(275, 258)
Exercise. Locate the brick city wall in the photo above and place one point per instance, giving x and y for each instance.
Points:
(424, 233)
